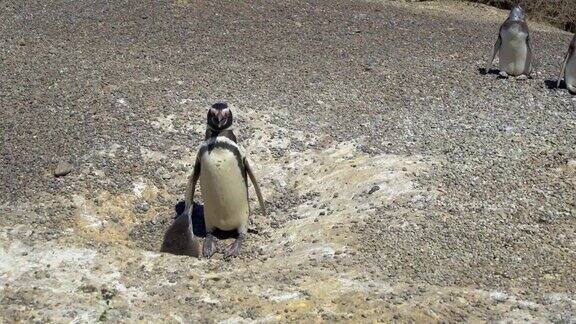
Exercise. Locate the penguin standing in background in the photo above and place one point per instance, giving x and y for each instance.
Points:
(222, 169)
(514, 46)
(568, 70)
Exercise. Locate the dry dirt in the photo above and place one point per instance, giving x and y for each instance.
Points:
(402, 184)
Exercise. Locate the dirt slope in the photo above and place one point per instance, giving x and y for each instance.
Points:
(402, 184)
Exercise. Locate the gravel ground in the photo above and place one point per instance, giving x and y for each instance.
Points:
(403, 184)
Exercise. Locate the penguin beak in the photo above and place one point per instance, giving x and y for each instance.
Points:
(517, 12)
(223, 116)
(220, 120)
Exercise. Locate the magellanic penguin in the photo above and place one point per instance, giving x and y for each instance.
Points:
(222, 169)
(514, 46)
(568, 70)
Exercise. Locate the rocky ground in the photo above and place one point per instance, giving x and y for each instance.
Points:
(402, 183)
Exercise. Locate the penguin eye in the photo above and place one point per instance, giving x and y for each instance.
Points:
(215, 120)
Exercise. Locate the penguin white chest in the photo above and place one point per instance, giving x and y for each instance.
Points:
(224, 189)
(514, 51)
(570, 72)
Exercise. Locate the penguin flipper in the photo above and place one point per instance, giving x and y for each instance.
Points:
(192, 180)
(567, 57)
(563, 69)
(494, 51)
(256, 186)
(530, 63)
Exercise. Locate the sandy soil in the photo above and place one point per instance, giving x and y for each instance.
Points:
(402, 184)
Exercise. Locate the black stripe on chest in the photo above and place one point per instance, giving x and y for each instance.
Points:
(225, 133)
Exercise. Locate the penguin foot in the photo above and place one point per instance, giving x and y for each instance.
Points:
(233, 249)
(522, 77)
(209, 246)
(571, 89)
(503, 74)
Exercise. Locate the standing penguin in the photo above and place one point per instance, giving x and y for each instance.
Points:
(514, 46)
(222, 169)
(568, 70)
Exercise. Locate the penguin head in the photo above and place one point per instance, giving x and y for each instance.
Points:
(517, 13)
(219, 116)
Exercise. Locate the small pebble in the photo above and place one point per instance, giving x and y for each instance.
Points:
(373, 190)
(63, 168)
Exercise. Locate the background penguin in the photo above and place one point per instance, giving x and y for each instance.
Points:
(222, 169)
(568, 70)
(514, 46)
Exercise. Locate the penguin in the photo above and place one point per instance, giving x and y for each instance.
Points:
(514, 46)
(568, 70)
(222, 169)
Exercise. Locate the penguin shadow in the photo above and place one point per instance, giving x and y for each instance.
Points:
(484, 71)
(197, 217)
(198, 224)
(180, 237)
(496, 72)
(551, 84)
